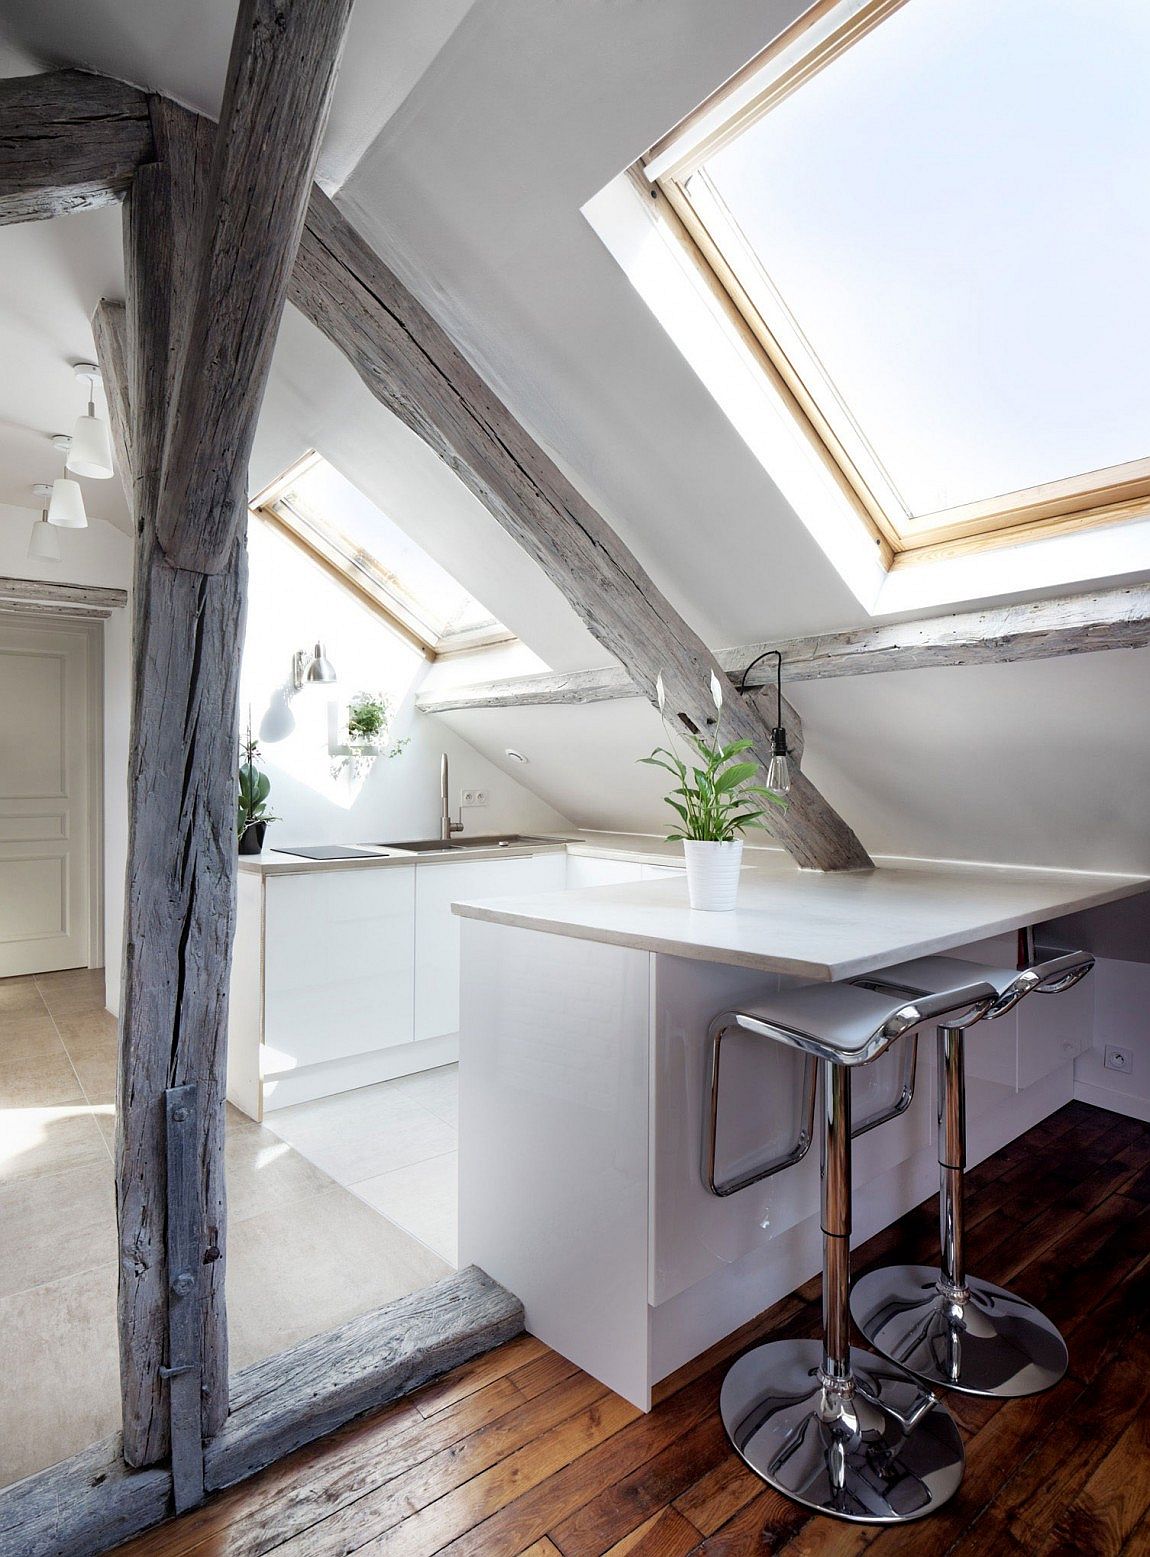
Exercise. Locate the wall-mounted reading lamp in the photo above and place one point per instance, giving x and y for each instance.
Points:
(779, 767)
(311, 669)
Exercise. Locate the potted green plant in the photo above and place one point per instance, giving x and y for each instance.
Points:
(716, 801)
(368, 722)
(368, 716)
(252, 814)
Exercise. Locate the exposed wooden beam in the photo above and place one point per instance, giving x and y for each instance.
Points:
(180, 881)
(1116, 618)
(68, 141)
(414, 369)
(57, 612)
(280, 80)
(91, 1502)
(110, 329)
(210, 234)
(70, 594)
(300, 1395)
(1086, 623)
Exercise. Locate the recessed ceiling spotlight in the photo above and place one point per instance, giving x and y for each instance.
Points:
(516, 756)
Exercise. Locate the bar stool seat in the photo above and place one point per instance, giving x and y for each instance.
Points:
(940, 1323)
(837, 1429)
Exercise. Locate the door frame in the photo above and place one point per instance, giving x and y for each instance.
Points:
(93, 631)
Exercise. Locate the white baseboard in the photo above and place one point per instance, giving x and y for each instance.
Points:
(358, 1070)
(1110, 1097)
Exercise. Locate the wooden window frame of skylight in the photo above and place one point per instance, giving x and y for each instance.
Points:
(812, 42)
(357, 571)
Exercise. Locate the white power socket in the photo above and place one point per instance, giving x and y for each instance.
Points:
(473, 797)
(1119, 1059)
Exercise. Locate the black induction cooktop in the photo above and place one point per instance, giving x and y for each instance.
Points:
(331, 851)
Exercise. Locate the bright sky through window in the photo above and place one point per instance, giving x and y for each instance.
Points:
(946, 231)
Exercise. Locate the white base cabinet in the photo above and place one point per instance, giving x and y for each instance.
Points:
(342, 978)
(437, 928)
(339, 963)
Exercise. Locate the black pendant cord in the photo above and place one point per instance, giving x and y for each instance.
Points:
(778, 734)
(766, 654)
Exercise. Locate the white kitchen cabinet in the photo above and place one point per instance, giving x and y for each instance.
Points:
(583, 871)
(657, 872)
(339, 963)
(437, 886)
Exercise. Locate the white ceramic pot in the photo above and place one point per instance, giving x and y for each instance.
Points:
(713, 873)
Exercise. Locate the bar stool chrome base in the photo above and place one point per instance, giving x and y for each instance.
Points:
(882, 1451)
(993, 1343)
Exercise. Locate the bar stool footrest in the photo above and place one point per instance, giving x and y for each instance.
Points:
(992, 1344)
(881, 1451)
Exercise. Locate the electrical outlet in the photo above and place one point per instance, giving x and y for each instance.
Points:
(473, 797)
(1119, 1059)
(480, 797)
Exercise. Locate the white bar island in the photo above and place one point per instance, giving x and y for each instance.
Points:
(582, 1071)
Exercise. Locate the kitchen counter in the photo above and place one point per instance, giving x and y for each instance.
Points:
(275, 862)
(583, 1044)
(641, 848)
(813, 925)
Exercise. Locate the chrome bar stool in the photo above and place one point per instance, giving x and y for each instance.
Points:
(943, 1325)
(840, 1430)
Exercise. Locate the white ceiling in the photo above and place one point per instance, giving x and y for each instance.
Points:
(466, 138)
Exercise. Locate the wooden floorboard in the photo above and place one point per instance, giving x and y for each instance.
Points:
(519, 1454)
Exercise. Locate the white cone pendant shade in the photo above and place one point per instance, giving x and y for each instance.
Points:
(43, 543)
(67, 506)
(91, 451)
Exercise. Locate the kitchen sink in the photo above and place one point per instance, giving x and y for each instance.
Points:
(455, 845)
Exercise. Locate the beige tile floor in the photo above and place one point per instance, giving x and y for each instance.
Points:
(305, 1252)
(394, 1145)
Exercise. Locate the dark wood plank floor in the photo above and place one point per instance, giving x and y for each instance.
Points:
(519, 1453)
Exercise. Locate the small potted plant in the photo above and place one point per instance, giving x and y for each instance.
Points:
(252, 814)
(715, 800)
(368, 723)
(368, 716)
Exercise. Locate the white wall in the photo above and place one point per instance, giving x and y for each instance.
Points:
(101, 554)
(292, 604)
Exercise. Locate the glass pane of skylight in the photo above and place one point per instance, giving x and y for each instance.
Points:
(955, 212)
(442, 606)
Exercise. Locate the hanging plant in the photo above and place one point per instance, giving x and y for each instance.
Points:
(368, 721)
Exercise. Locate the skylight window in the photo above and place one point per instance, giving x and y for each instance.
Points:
(931, 215)
(354, 539)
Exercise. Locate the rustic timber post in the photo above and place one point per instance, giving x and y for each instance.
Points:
(210, 235)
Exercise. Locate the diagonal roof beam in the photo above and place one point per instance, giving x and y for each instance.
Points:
(414, 369)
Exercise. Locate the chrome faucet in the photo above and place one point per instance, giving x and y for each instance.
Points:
(446, 825)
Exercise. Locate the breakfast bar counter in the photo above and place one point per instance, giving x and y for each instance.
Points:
(582, 1078)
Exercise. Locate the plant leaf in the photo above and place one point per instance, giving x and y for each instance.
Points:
(735, 775)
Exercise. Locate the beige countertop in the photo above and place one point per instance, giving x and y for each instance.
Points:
(645, 848)
(815, 925)
(277, 862)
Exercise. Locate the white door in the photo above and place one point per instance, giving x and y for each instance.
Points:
(44, 799)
